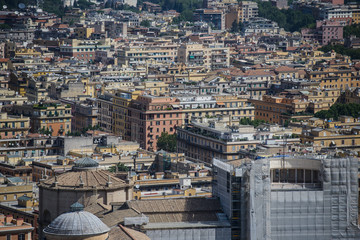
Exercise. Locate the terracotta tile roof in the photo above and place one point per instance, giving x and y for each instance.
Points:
(190, 205)
(285, 69)
(97, 208)
(258, 73)
(114, 218)
(124, 233)
(182, 217)
(90, 179)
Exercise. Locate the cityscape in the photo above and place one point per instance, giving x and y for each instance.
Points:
(179, 120)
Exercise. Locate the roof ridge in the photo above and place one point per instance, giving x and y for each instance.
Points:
(126, 232)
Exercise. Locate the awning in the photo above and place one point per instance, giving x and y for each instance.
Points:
(220, 103)
(175, 106)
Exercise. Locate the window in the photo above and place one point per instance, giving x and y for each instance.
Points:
(8, 237)
(21, 236)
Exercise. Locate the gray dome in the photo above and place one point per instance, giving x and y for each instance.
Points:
(76, 224)
(86, 162)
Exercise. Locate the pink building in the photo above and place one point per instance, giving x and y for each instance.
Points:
(334, 2)
(150, 116)
(330, 30)
(325, 32)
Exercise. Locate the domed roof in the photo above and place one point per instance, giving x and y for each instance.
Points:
(76, 223)
(86, 162)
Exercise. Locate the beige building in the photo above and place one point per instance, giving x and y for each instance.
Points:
(212, 56)
(207, 138)
(144, 54)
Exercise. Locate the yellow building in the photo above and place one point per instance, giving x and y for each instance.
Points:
(340, 78)
(12, 193)
(13, 126)
(156, 88)
(356, 16)
(27, 52)
(83, 32)
(121, 102)
(330, 138)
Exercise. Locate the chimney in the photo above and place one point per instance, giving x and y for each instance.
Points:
(108, 183)
(8, 219)
(81, 182)
(19, 221)
(55, 183)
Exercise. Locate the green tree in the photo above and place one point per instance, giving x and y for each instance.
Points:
(341, 49)
(167, 142)
(145, 23)
(234, 27)
(353, 29)
(289, 19)
(336, 110)
(120, 167)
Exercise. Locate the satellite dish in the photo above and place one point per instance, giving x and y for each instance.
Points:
(21, 5)
(16, 12)
(39, 10)
(4, 7)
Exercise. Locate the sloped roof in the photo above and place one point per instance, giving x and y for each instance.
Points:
(176, 205)
(90, 179)
(124, 233)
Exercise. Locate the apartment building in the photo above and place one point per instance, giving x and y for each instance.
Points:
(85, 114)
(216, 105)
(12, 228)
(257, 82)
(212, 56)
(83, 49)
(105, 112)
(11, 192)
(214, 17)
(141, 54)
(47, 116)
(275, 109)
(204, 139)
(121, 100)
(321, 138)
(248, 10)
(37, 89)
(13, 126)
(340, 78)
(325, 31)
(337, 13)
(150, 116)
